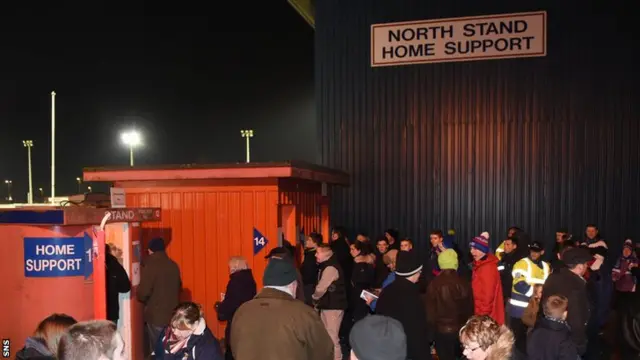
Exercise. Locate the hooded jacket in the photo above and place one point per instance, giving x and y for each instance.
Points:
(34, 349)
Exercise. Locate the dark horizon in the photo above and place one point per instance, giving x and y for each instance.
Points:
(189, 84)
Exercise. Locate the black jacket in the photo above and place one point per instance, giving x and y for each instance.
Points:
(551, 340)
(574, 288)
(505, 267)
(336, 296)
(117, 282)
(381, 269)
(240, 289)
(341, 251)
(309, 268)
(401, 300)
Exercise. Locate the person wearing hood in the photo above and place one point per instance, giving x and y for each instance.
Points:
(187, 337)
(43, 344)
(485, 280)
(240, 289)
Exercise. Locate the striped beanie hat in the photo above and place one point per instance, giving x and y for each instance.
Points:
(481, 242)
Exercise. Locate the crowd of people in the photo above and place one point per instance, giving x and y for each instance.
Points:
(382, 300)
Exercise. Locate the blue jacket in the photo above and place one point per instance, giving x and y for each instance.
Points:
(387, 281)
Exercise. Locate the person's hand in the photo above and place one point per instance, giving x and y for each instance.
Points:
(633, 265)
(377, 291)
(368, 299)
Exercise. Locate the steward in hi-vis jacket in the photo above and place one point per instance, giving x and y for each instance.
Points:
(527, 273)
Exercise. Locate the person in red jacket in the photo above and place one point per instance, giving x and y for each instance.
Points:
(485, 281)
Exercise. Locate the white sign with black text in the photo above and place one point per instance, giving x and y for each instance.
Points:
(459, 39)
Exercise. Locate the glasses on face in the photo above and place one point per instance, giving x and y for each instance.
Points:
(470, 349)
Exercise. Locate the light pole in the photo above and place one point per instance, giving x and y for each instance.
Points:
(247, 134)
(41, 194)
(132, 139)
(79, 180)
(29, 144)
(53, 146)
(9, 182)
(89, 189)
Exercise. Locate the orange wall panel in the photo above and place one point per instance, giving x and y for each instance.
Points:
(204, 226)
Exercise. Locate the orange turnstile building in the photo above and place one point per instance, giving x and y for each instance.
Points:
(213, 212)
(52, 261)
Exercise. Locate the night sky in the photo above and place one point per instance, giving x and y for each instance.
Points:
(187, 83)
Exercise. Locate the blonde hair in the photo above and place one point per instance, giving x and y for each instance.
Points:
(237, 263)
(51, 329)
(555, 306)
(390, 257)
(497, 340)
(186, 315)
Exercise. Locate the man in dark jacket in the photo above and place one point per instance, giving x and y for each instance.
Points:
(510, 256)
(159, 289)
(240, 289)
(449, 304)
(309, 268)
(117, 283)
(569, 283)
(401, 300)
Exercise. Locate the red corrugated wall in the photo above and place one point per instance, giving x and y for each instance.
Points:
(205, 223)
(307, 198)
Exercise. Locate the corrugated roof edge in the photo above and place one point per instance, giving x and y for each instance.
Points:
(298, 168)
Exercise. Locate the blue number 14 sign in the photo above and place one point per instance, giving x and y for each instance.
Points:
(259, 241)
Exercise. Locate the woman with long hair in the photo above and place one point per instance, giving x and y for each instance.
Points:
(187, 337)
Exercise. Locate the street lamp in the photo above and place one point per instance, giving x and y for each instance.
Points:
(89, 188)
(247, 134)
(79, 180)
(41, 193)
(29, 144)
(9, 182)
(131, 139)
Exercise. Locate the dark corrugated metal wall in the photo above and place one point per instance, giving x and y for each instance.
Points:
(539, 143)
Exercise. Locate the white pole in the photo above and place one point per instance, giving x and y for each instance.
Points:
(248, 150)
(30, 176)
(53, 146)
(131, 154)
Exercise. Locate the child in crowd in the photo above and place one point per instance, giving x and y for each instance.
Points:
(551, 337)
